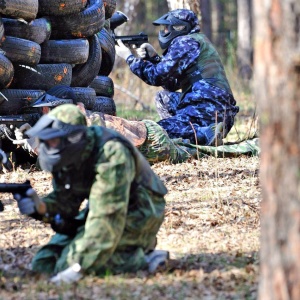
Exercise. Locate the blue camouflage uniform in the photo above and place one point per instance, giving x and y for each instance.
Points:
(192, 64)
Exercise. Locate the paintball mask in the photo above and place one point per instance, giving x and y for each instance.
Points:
(175, 23)
(62, 137)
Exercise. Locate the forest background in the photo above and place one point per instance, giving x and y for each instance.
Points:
(212, 226)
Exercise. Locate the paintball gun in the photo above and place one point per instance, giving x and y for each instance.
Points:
(8, 123)
(117, 19)
(130, 40)
(18, 120)
(14, 188)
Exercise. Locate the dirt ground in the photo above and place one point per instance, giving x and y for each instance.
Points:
(211, 229)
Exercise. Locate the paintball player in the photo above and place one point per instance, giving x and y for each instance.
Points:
(203, 112)
(116, 231)
(55, 96)
(149, 137)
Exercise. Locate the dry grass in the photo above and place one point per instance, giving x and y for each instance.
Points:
(211, 229)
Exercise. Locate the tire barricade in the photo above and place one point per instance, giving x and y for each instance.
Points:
(44, 43)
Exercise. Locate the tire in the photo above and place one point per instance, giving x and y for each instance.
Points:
(103, 86)
(107, 43)
(84, 24)
(60, 8)
(18, 101)
(105, 105)
(21, 51)
(38, 30)
(1, 30)
(65, 51)
(25, 9)
(6, 72)
(42, 77)
(84, 74)
(85, 95)
(110, 7)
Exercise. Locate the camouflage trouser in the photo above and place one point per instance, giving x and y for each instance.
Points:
(192, 120)
(159, 147)
(52, 258)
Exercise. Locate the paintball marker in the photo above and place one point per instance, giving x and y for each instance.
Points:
(130, 40)
(18, 120)
(117, 19)
(14, 188)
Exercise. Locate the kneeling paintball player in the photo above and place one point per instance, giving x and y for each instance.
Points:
(116, 231)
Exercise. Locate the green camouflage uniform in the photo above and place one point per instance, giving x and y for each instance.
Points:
(159, 147)
(125, 209)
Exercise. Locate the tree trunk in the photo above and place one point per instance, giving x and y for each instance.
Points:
(206, 17)
(244, 49)
(219, 26)
(277, 88)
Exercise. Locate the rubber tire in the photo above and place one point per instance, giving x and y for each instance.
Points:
(84, 74)
(60, 8)
(1, 30)
(42, 77)
(6, 72)
(21, 51)
(18, 101)
(25, 9)
(84, 24)
(38, 30)
(110, 7)
(105, 105)
(103, 85)
(65, 51)
(107, 43)
(85, 95)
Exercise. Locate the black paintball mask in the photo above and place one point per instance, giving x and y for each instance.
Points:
(61, 144)
(172, 27)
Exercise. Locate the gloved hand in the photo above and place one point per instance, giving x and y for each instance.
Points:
(29, 144)
(70, 275)
(30, 203)
(122, 50)
(145, 49)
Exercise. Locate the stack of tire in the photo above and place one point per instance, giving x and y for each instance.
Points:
(44, 43)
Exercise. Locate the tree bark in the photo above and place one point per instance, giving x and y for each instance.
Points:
(277, 82)
(245, 49)
(219, 26)
(205, 8)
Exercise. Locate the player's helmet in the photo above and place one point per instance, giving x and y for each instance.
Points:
(56, 96)
(175, 23)
(62, 136)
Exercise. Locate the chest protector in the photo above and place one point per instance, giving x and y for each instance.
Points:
(144, 174)
(208, 64)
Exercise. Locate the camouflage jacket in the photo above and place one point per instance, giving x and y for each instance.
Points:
(171, 71)
(125, 198)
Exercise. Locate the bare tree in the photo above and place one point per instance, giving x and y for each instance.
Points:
(245, 49)
(219, 39)
(206, 17)
(277, 88)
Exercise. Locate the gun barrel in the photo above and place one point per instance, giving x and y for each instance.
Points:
(133, 39)
(15, 187)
